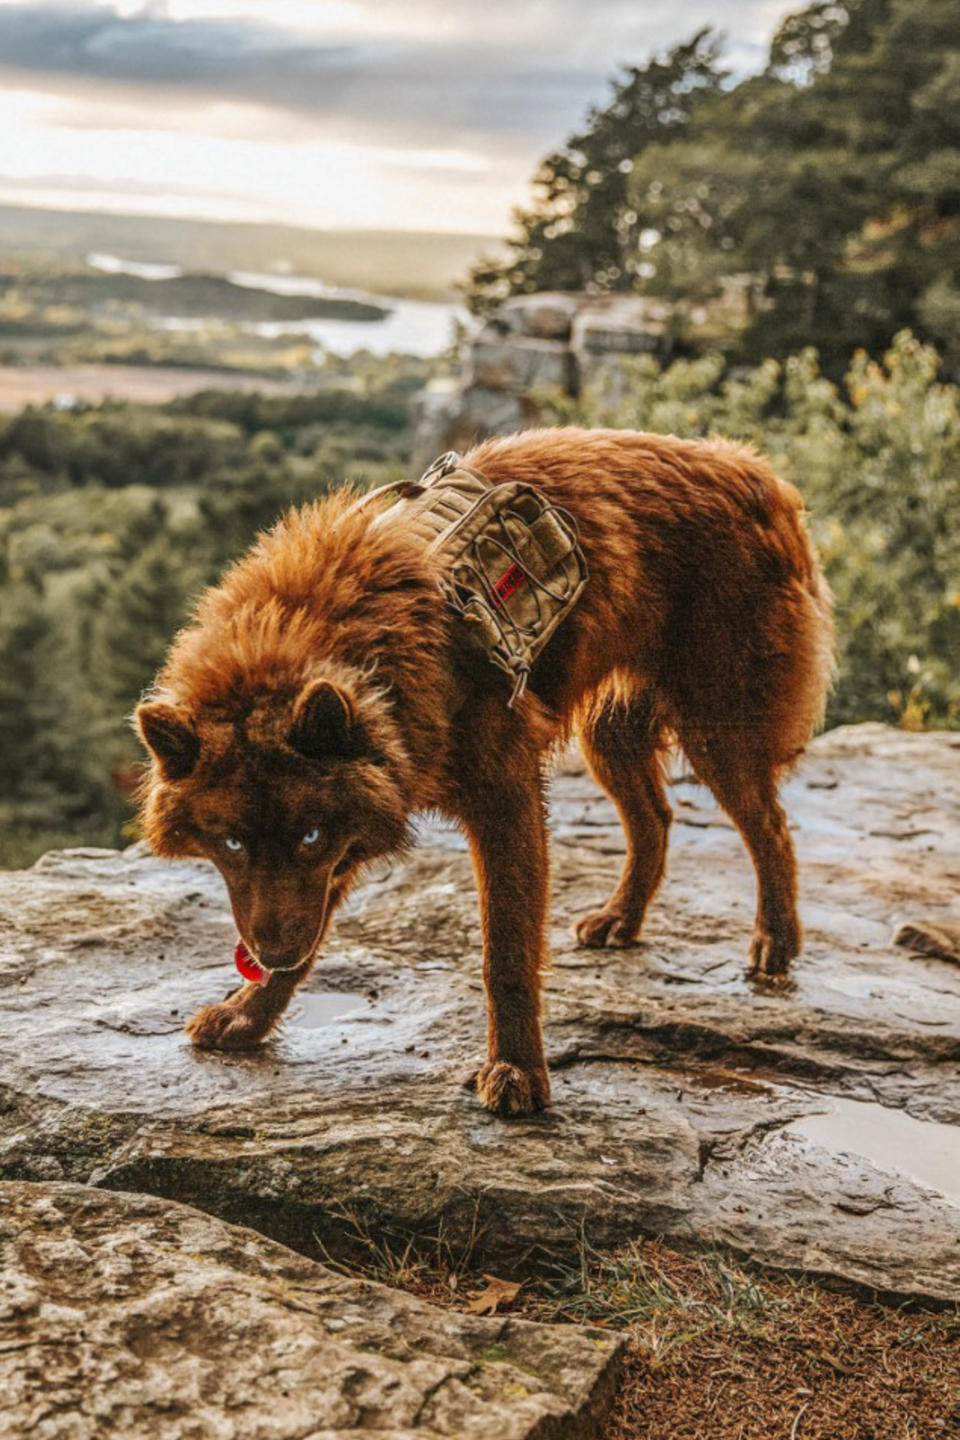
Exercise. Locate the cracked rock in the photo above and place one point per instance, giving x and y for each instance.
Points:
(128, 1315)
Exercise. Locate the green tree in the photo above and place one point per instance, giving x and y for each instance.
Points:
(582, 229)
(831, 180)
(876, 461)
(137, 616)
(51, 778)
(853, 225)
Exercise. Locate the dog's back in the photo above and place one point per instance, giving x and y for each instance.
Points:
(704, 590)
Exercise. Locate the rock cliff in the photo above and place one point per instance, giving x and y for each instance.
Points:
(558, 341)
(814, 1125)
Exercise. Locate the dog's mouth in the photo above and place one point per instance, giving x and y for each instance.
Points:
(251, 969)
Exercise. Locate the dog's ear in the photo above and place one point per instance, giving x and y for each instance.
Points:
(324, 723)
(170, 735)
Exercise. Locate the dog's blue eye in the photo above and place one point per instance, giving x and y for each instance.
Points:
(311, 837)
(232, 844)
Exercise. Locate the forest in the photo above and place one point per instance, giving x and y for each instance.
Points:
(112, 518)
(830, 181)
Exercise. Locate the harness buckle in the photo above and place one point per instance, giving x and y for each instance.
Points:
(441, 467)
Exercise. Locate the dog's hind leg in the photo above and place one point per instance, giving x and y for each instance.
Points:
(744, 782)
(622, 744)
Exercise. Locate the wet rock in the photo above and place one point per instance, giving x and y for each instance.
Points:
(687, 1101)
(127, 1315)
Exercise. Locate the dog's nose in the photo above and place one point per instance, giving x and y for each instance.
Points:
(274, 957)
(275, 945)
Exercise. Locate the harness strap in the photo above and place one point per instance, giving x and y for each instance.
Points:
(511, 561)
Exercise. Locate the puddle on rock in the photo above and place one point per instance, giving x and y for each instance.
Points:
(316, 1008)
(924, 1151)
(732, 1080)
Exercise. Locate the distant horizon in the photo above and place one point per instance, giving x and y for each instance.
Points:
(98, 213)
(404, 263)
(325, 115)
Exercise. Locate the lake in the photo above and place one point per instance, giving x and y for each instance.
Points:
(411, 327)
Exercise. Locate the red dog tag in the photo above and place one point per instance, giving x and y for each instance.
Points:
(248, 967)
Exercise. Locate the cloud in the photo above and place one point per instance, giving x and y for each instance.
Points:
(147, 48)
(423, 113)
(419, 86)
(417, 71)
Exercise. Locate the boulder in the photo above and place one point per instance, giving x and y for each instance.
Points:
(622, 325)
(546, 315)
(518, 363)
(545, 341)
(127, 1315)
(435, 409)
(813, 1124)
(456, 420)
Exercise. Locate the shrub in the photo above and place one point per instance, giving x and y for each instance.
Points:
(877, 463)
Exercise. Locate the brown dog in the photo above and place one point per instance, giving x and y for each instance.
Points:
(322, 696)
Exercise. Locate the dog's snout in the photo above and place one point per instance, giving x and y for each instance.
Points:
(279, 957)
(275, 950)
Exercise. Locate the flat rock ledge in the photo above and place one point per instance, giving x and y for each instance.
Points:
(132, 1316)
(813, 1125)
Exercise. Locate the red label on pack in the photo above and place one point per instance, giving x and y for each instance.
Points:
(509, 581)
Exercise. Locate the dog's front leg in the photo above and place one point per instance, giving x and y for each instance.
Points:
(508, 837)
(247, 1016)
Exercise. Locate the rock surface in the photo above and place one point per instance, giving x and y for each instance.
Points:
(621, 325)
(814, 1125)
(127, 1315)
(545, 315)
(518, 363)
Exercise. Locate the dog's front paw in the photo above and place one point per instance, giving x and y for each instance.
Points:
(770, 954)
(507, 1090)
(604, 927)
(224, 1027)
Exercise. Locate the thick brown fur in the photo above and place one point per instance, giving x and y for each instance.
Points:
(320, 698)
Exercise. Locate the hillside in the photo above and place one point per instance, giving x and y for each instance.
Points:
(194, 295)
(426, 264)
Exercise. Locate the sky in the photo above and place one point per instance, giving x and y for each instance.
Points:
(384, 114)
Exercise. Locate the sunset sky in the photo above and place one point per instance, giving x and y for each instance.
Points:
(411, 114)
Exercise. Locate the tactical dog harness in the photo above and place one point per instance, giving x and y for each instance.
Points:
(512, 562)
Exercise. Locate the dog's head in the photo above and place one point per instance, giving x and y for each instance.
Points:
(288, 796)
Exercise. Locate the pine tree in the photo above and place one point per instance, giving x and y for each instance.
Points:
(833, 179)
(581, 231)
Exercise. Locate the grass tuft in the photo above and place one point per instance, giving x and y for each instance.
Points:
(718, 1349)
